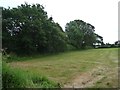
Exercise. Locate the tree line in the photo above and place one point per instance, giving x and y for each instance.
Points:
(27, 29)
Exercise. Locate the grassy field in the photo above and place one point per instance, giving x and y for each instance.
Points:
(87, 68)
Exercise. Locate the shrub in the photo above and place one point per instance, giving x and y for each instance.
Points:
(70, 47)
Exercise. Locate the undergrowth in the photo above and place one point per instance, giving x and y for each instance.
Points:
(17, 78)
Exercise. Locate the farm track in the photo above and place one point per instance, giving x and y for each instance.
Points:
(87, 79)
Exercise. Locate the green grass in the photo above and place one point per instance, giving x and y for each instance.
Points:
(17, 78)
(63, 67)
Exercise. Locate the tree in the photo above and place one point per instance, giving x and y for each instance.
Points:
(27, 29)
(117, 43)
(22, 27)
(80, 33)
(56, 40)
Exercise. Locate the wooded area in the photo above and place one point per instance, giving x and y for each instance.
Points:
(27, 29)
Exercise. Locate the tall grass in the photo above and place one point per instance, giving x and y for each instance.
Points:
(16, 78)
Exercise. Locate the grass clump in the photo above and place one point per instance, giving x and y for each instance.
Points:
(16, 78)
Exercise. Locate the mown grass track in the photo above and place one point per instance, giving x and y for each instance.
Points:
(70, 67)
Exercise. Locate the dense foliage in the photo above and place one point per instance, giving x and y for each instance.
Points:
(27, 29)
(80, 33)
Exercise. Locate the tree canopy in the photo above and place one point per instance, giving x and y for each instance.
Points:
(80, 33)
(27, 29)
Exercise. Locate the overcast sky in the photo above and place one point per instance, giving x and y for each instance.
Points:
(103, 14)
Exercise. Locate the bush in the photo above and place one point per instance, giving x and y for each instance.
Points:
(89, 47)
(70, 47)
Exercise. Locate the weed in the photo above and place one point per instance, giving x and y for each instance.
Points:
(16, 78)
